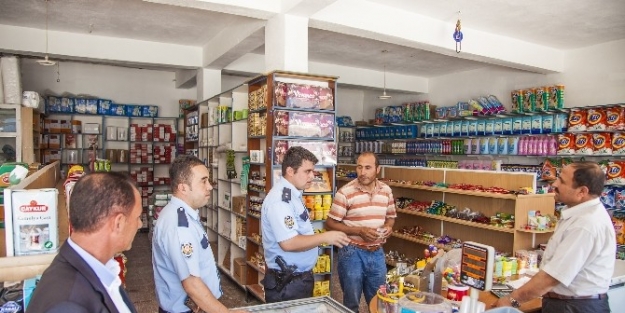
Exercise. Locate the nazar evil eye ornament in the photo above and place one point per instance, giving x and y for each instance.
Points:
(458, 35)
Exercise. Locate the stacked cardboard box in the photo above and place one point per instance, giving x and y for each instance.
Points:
(141, 153)
(141, 132)
(164, 132)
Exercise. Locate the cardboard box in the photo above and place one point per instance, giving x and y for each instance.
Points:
(240, 270)
(238, 204)
(35, 221)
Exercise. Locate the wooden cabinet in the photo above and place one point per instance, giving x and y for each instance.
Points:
(503, 239)
(19, 130)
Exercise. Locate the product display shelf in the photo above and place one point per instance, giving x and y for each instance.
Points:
(346, 144)
(502, 238)
(22, 131)
(263, 106)
(226, 224)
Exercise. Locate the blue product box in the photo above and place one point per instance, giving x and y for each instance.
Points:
(498, 127)
(507, 126)
(104, 107)
(413, 130)
(117, 109)
(436, 130)
(149, 111)
(53, 104)
(490, 128)
(526, 125)
(92, 107)
(537, 124)
(548, 124)
(517, 125)
(481, 127)
(472, 128)
(80, 105)
(443, 129)
(133, 110)
(457, 127)
(464, 128)
(426, 131)
(67, 105)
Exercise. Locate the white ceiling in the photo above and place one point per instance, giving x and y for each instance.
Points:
(558, 24)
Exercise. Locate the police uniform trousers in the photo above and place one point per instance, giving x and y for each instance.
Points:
(562, 304)
(300, 287)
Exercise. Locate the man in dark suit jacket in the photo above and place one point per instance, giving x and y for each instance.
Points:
(105, 213)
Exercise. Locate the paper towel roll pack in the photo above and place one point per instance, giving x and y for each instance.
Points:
(11, 80)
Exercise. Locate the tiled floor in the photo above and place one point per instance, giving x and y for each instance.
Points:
(140, 282)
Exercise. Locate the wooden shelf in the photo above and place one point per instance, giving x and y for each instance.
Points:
(229, 274)
(254, 241)
(536, 231)
(258, 269)
(413, 239)
(257, 291)
(457, 221)
(465, 192)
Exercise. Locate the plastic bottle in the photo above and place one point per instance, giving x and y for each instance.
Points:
(467, 146)
(522, 146)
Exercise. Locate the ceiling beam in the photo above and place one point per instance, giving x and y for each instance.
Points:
(232, 43)
(392, 25)
(264, 9)
(31, 41)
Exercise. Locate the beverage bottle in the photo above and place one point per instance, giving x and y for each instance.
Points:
(467, 146)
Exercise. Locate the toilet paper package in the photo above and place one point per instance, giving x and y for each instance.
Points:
(31, 99)
(11, 81)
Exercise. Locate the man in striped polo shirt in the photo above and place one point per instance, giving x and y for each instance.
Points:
(364, 209)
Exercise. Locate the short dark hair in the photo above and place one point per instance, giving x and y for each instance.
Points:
(181, 170)
(375, 156)
(97, 196)
(589, 174)
(294, 158)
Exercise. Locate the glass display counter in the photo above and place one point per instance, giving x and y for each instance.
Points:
(308, 305)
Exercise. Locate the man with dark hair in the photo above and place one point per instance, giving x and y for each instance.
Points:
(105, 213)
(185, 272)
(365, 210)
(289, 241)
(578, 262)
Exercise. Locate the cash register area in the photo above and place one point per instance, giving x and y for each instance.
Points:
(140, 282)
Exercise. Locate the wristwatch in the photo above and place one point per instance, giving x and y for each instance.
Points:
(515, 304)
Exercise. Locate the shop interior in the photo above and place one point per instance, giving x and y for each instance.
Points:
(476, 97)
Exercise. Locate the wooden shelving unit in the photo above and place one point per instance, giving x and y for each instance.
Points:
(502, 238)
(264, 106)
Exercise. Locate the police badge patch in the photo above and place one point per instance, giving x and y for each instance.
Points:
(289, 222)
(187, 249)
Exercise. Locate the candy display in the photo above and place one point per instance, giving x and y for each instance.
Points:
(304, 124)
(303, 96)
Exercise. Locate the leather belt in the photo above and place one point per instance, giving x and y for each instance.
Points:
(366, 248)
(553, 295)
(163, 311)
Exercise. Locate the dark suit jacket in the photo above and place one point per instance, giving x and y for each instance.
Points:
(69, 285)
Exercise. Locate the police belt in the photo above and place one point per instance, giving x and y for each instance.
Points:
(553, 295)
(280, 274)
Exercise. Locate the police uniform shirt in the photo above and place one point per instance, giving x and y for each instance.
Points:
(180, 249)
(283, 217)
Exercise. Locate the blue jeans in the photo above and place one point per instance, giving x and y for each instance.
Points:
(360, 271)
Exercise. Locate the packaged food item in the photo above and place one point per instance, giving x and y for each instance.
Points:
(596, 119)
(618, 143)
(517, 101)
(577, 120)
(618, 219)
(556, 97)
(542, 98)
(615, 118)
(529, 100)
(602, 143)
(566, 144)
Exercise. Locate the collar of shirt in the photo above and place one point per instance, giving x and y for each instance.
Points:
(375, 189)
(578, 209)
(107, 273)
(177, 202)
(296, 193)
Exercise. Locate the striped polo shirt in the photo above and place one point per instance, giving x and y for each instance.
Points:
(356, 207)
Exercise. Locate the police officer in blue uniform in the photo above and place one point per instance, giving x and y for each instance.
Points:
(185, 272)
(289, 241)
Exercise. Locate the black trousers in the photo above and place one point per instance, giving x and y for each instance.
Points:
(300, 287)
(575, 306)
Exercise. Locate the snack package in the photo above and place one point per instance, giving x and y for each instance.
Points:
(542, 98)
(326, 98)
(596, 119)
(303, 96)
(280, 92)
(549, 171)
(583, 144)
(602, 143)
(619, 196)
(556, 97)
(618, 219)
(16, 295)
(577, 120)
(607, 197)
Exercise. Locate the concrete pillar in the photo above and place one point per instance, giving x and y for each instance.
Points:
(286, 43)
(208, 83)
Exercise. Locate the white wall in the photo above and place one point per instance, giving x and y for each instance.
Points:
(349, 102)
(120, 84)
(593, 76)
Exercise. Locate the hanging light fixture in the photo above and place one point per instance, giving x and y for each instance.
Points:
(384, 96)
(46, 61)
